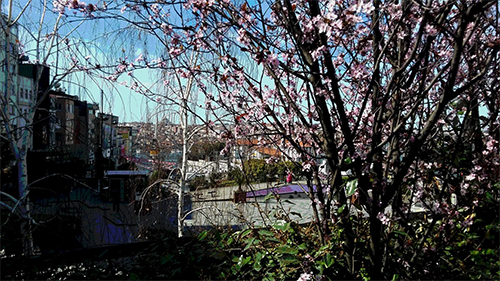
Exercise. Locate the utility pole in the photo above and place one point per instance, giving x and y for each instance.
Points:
(99, 173)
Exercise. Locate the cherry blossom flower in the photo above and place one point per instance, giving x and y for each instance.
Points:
(272, 59)
(305, 276)
(383, 218)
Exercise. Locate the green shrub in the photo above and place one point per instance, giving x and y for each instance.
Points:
(257, 170)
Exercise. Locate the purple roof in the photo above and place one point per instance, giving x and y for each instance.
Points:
(279, 190)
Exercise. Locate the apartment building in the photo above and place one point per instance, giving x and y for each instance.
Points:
(22, 88)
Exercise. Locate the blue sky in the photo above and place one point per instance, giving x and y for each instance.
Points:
(118, 100)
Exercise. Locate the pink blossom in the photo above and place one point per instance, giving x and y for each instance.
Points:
(471, 177)
(121, 68)
(305, 276)
(167, 29)
(367, 7)
(242, 37)
(272, 59)
(383, 218)
(491, 145)
(318, 52)
(175, 51)
(405, 263)
(431, 30)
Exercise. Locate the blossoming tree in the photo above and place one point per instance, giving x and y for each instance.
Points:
(398, 98)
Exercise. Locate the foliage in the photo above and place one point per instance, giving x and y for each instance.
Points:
(285, 250)
(236, 175)
(176, 259)
(215, 179)
(258, 170)
(202, 150)
(198, 183)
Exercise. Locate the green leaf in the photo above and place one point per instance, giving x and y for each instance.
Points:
(249, 243)
(282, 226)
(490, 251)
(265, 232)
(285, 249)
(329, 260)
(400, 232)
(245, 233)
(288, 260)
(272, 239)
(202, 235)
(245, 261)
(323, 248)
(489, 196)
(348, 160)
(268, 278)
(256, 265)
(341, 209)
(351, 187)
(235, 269)
(302, 246)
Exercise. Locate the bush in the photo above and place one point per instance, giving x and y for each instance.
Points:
(198, 183)
(257, 170)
